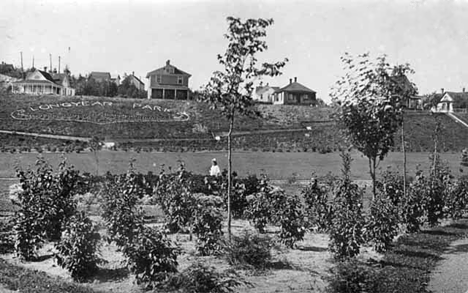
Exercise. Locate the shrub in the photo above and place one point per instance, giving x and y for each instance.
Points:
(351, 277)
(288, 214)
(456, 200)
(347, 219)
(173, 194)
(381, 224)
(251, 250)
(45, 203)
(77, 249)
(123, 220)
(317, 205)
(7, 242)
(200, 278)
(207, 224)
(151, 257)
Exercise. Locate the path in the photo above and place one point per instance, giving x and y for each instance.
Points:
(457, 119)
(451, 273)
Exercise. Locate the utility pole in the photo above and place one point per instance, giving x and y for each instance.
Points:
(59, 65)
(33, 62)
(21, 53)
(50, 59)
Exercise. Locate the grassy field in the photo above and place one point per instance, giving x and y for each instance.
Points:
(275, 165)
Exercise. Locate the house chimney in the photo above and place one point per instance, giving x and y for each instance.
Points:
(45, 68)
(295, 79)
(463, 89)
(133, 73)
(168, 62)
(442, 90)
(268, 84)
(290, 80)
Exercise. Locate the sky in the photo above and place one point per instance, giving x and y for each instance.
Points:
(140, 35)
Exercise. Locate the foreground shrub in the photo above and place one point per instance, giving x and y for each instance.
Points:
(200, 278)
(347, 221)
(174, 195)
(77, 249)
(249, 250)
(7, 242)
(45, 202)
(151, 257)
(351, 277)
(317, 205)
(119, 198)
(456, 200)
(207, 224)
(290, 217)
(381, 225)
(273, 206)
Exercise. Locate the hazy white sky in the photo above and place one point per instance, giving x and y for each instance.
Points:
(140, 35)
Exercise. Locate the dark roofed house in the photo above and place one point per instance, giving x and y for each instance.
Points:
(132, 79)
(294, 94)
(100, 76)
(168, 82)
(42, 83)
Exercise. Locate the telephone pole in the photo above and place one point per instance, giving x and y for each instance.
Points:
(50, 58)
(59, 65)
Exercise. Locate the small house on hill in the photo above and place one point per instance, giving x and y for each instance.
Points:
(38, 82)
(168, 82)
(451, 101)
(294, 94)
(132, 79)
(100, 76)
(264, 93)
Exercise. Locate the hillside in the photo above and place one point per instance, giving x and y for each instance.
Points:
(168, 125)
(113, 118)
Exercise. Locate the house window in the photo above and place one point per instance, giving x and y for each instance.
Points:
(179, 80)
(158, 77)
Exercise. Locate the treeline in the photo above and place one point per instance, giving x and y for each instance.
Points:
(91, 87)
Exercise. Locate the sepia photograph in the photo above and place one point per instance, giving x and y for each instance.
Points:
(245, 146)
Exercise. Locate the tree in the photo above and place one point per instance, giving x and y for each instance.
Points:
(371, 96)
(230, 90)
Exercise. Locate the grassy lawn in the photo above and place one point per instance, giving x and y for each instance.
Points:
(275, 165)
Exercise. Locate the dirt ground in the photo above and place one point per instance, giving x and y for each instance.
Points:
(293, 270)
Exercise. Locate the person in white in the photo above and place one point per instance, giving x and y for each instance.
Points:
(215, 171)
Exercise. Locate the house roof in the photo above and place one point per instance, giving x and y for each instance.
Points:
(456, 97)
(162, 71)
(136, 78)
(47, 75)
(261, 89)
(295, 87)
(59, 77)
(100, 75)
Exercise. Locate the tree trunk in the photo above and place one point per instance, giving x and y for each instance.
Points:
(97, 163)
(231, 126)
(403, 148)
(372, 164)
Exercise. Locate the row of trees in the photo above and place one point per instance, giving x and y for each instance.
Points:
(91, 87)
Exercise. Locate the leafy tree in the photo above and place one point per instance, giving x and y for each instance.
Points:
(128, 90)
(370, 96)
(230, 90)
